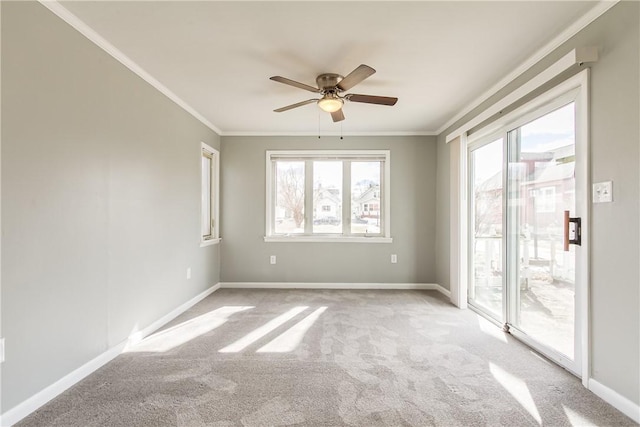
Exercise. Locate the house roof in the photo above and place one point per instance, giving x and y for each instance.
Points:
(553, 169)
(554, 172)
(368, 194)
(332, 194)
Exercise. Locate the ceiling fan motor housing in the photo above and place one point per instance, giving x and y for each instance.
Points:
(328, 81)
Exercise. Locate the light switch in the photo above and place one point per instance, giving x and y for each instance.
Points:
(603, 192)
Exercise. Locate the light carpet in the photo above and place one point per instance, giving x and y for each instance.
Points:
(328, 358)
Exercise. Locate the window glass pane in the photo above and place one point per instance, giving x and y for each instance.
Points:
(206, 196)
(485, 287)
(289, 197)
(543, 189)
(327, 197)
(366, 205)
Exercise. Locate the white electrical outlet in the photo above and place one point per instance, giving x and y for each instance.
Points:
(272, 259)
(1, 350)
(394, 259)
(188, 273)
(603, 192)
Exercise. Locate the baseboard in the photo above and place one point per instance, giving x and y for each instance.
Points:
(138, 336)
(442, 290)
(313, 285)
(25, 408)
(613, 398)
(39, 399)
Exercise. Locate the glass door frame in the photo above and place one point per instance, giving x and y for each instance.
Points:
(472, 146)
(574, 89)
(512, 282)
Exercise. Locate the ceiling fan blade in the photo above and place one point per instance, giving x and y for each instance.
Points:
(370, 99)
(294, 83)
(296, 105)
(337, 116)
(355, 77)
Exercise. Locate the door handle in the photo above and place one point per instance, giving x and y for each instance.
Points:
(576, 230)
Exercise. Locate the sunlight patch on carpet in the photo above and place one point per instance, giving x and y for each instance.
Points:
(263, 330)
(292, 337)
(186, 331)
(517, 388)
(576, 419)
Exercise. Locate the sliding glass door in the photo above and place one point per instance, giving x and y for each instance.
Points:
(523, 238)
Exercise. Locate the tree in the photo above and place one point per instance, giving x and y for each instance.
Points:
(488, 206)
(290, 176)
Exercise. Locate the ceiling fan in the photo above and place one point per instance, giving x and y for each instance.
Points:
(331, 86)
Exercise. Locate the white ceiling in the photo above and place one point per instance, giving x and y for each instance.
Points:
(436, 57)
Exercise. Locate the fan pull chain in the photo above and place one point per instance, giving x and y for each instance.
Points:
(318, 124)
(341, 130)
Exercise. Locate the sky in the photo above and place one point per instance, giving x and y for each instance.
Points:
(329, 173)
(553, 130)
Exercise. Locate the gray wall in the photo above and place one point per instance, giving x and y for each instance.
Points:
(615, 228)
(245, 255)
(100, 202)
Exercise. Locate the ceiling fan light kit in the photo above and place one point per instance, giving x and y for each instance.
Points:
(330, 103)
(330, 86)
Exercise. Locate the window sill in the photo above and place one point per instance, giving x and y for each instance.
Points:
(327, 239)
(210, 242)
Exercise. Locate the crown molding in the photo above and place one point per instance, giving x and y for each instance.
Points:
(102, 43)
(54, 6)
(323, 134)
(595, 12)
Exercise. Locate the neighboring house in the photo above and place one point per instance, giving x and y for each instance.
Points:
(547, 187)
(327, 203)
(551, 188)
(488, 207)
(367, 204)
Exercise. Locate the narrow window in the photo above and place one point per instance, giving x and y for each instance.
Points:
(209, 195)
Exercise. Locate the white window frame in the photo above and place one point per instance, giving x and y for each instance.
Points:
(338, 155)
(214, 196)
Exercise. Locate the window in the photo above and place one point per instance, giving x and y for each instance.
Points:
(327, 192)
(289, 197)
(209, 196)
(545, 199)
(328, 196)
